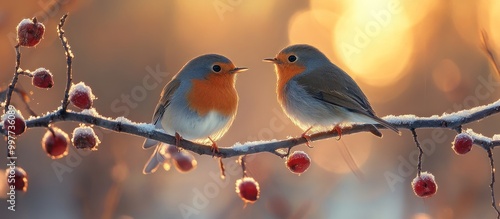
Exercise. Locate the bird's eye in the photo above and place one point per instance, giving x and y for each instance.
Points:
(292, 58)
(216, 68)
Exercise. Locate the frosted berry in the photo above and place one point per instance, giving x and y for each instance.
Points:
(17, 179)
(298, 162)
(42, 78)
(462, 143)
(184, 161)
(13, 122)
(85, 138)
(424, 185)
(248, 189)
(55, 144)
(29, 32)
(80, 95)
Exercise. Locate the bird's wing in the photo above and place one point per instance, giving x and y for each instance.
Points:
(333, 86)
(165, 98)
(330, 86)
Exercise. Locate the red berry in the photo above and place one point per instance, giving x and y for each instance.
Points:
(424, 185)
(13, 122)
(184, 161)
(17, 178)
(462, 143)
(55, 144)
(29, 32)
(298, 162)
(81, 96)
(42, 78)
(85, 138)
(248, 189)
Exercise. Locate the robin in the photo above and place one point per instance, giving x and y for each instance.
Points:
(317, 95)
(199, 104)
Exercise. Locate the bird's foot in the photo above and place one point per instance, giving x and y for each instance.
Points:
(338, 130)
(307, 137)
(214, 148)
(178, 139)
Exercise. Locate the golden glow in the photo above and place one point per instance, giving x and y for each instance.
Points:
(465, 20)
(365, 40)
(305, 20)
(360, 149)
(326, 12)
(207, 24)
(166, 166)
(421, 216)
(494, 22)
(377, 95)
(446, 75)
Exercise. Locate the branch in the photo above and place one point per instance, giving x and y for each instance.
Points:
(69, 60)
(14, 79)
(449, 121)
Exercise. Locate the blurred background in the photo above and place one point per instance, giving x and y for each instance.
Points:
(409, 57)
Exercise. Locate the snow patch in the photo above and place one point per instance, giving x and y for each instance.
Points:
(81, 88)
(245, 146)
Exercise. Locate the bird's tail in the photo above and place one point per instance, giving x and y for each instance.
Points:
(386, 124)
(154, 161)
(150, 143)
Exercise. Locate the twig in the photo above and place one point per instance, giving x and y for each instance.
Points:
(26, 73)
(222, 169)
(69, 61)
(492, 183)
(242, 162)
(420, 151)
(14, 79)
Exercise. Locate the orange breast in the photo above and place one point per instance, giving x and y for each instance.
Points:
(217, 92)
(285, 73)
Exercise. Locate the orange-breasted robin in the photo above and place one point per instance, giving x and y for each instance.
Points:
(317, 95)
(199, 104)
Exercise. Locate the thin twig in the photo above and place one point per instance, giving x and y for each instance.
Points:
(14, 79)
(242, 162)
(69, 61)
(26, 73)
(492, 183)
(222, 169)
(420, 151)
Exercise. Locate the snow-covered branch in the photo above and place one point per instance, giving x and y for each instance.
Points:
(451, 121)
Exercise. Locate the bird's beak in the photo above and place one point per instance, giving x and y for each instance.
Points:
(236, 70)
(273, 60)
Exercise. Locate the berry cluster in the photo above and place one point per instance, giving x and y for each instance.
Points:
(55, 141)
(424, 185)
